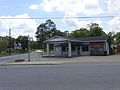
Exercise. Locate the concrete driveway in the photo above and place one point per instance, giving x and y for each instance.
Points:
(36, 57)
(110, 58)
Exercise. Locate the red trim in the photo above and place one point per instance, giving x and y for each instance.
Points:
(97, 43)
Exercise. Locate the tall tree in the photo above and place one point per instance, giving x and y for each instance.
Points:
(83, 32)
(117, 38)
(111, 41)
(95, 30)
(46, 31)
(111, 37)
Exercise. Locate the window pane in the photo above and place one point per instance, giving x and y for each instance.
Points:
(85, 48)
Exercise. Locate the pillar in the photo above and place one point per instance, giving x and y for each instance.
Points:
(69, 49)
(107, 47)
(76, 50)
(48, 52)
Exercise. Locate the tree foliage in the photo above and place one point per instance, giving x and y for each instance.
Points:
(117, 38)
(5, 43)
(23, 40)
(95, 30)
(46, 31)
(111, 37)
(83, 32)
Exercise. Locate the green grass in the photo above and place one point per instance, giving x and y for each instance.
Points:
(13, 52)
(6, 54)
(1, 54)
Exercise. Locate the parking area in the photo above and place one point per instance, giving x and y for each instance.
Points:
(110, 58)
(36, 57)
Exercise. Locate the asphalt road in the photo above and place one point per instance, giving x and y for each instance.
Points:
(61, 77)
(20, 56)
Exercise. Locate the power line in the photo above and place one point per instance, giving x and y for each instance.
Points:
(60, 17)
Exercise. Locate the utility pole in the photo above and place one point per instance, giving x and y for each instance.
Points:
(9, 41)
(28, 49)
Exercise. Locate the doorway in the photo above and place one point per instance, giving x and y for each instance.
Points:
(85, 50)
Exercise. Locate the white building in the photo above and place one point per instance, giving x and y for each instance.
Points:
(69, 47)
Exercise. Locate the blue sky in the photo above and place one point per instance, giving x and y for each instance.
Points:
(57, 8)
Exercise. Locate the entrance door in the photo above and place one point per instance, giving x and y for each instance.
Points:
(58, 51)
(78, 50)
(85, 50)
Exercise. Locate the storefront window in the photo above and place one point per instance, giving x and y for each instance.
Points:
(73, 48)
(85, 48)
(64, 49)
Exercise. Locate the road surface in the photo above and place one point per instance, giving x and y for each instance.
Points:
(61, 77)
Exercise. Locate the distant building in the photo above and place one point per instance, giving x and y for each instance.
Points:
(78, 46)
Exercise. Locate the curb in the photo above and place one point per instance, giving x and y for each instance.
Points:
(29, 63)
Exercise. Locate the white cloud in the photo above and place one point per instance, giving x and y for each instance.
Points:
(86, 7)
(114, 24)
(34, 7)
(77, 24)
(18, 26)
(72, 8)
(113, 6)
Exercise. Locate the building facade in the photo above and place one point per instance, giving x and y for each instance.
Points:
(83, 46)
(118, 48)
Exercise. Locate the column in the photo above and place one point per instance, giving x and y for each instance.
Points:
(76, 50)
(69, 49)
(48, 49)
(107, 48)
(54, 51)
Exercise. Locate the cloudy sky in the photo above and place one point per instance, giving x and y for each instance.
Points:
(57, 8)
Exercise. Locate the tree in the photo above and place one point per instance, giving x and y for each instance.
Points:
(23, 40)
(66, 33)
(111, 37)
(6, 42)
(41, 34)
(95, 30)
(33, 44)
(117, 38)
(111, 41)
(83, 32)
(46, 31)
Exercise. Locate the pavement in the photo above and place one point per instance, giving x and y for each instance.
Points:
(60, 77)
(57, 61)
(78, 73)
